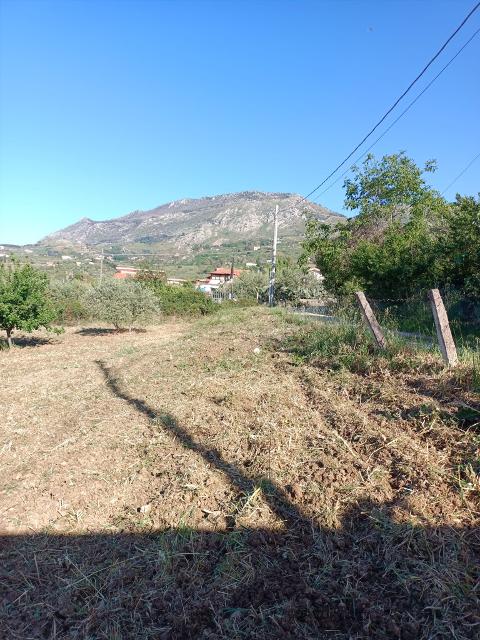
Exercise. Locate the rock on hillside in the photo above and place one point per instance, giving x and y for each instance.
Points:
(210, 220)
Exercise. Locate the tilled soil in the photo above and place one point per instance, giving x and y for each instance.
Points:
(180, 484)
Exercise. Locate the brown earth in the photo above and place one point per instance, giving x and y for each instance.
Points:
(178, 483)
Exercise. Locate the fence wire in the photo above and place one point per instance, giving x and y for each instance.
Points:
(408, 318)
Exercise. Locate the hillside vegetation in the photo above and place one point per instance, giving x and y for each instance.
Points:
(234, 478)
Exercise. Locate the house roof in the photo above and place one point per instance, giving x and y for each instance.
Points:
(225, 271)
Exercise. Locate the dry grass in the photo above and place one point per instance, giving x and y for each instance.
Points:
(179, 484)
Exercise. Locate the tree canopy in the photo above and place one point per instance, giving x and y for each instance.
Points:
(123, 304)
(24, 299)
(404, 237)
(292, 282)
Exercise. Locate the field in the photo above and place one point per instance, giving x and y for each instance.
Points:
(204, 480)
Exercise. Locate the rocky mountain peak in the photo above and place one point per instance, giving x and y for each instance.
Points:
(188, 222)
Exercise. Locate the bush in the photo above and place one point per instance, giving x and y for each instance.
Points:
(69, 301)
(123, 304)
(178, 301)
(24, 299)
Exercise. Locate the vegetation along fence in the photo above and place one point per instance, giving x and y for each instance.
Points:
(431, 319)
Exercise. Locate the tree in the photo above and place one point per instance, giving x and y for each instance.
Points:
(68, 299)
(461, 246)
(249, 285)
(121, 303)
(390, 248)
(292, 282)
(387, 190)
(24, 301)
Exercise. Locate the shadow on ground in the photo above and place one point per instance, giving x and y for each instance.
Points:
(26, 341)
(372, 577)
(102, 331)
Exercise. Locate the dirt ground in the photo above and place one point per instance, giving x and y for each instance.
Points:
(198, 481)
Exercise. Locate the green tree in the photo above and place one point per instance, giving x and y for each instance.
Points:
(24, 299)
(249, 285)
(123, 304)
(387, 190)
(68, 299)
(292, 282)
(461, 246)
(391, 248)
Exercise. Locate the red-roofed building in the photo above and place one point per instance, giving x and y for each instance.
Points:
(125, 272)
(217, 278)
(122, 273)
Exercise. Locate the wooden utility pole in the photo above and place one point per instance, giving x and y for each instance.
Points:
(271, 288)
(445, 338)
(370, 320)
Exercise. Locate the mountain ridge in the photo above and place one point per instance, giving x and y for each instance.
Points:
(190, 222)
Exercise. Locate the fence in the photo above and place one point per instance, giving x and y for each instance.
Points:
(221, 296)
(446, 319)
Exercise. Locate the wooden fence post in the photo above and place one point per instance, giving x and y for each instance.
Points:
(371, 320)
(445, 339)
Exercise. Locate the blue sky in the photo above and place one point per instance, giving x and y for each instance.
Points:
(112, 106)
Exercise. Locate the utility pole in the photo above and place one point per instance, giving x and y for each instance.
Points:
(101, 266)
(271, 289)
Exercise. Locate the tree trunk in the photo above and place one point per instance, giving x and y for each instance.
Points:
(9, 338)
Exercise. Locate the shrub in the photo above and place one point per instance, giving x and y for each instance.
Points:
(24, 299)
(123, 304)
(69, 301)
(178, 300)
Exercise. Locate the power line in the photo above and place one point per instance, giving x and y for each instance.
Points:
(464, 170)
(402, 113)
(387, 113)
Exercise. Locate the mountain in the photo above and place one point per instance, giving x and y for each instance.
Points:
(191, 224)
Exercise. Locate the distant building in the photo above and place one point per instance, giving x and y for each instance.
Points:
(123, 273)
(216, 278)
(176, 281)
(65, 257)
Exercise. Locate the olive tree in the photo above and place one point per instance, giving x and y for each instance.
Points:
(24, 301)
(123, 304)
(250, 285)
